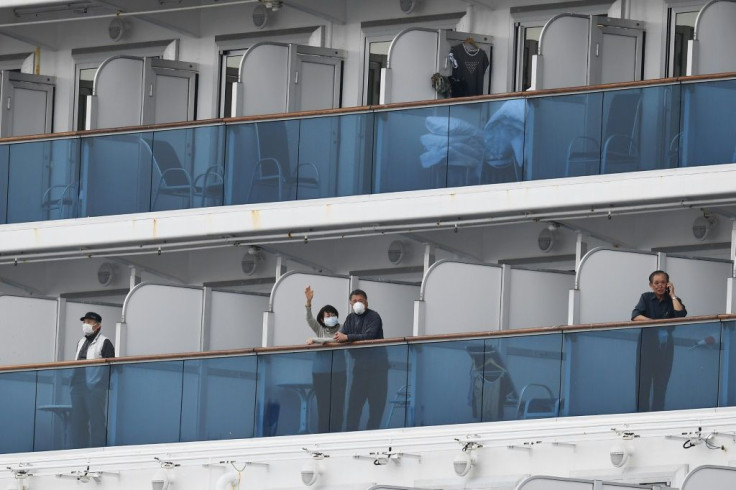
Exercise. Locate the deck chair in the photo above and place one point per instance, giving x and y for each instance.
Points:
(537, 401)
(400, 403)
(620, 150)
(272, 172)
(175, 180)
(61, 198)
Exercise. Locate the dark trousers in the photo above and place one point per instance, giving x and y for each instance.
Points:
(330, 402)
(655, 367)
(89, 415)
(369, 386)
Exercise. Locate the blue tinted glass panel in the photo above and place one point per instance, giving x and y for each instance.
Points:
(116, 174)
(338, 391)
(446, 382)
(218, 398)
(521, 377)
(411, 149)
(145, 403)
(563, 136)
(4, 155)
(64, 401)
(486, 143)
(261, 162)
(679, 367)
(727, 389)
(43, 181)
(335, 156)
(603, 358)
(639, 126)
(377, 387)
(287, 392)
(17, 418)
(709, 116)
(188, 168)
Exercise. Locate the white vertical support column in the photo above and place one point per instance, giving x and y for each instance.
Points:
(581, 248)
(504, 311)
(268, 326)
(58, 339)
(236, 103)
(573, 307)
(354, 283)
(205, 328)
(662, 262)
(134, 278)
(428, 256)
(730, 289)
(280, 267)
(120, 334)
(420, 312)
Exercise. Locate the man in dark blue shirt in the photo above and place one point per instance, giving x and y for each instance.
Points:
(370, 365)
(661, 302)
(657, 347)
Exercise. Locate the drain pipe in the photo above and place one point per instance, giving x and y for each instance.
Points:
(228, 481)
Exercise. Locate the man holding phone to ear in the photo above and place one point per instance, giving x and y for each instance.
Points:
(656, 347)
(661, 302)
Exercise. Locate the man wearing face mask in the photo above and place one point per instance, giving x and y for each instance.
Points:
(370, 365)
(89, 386)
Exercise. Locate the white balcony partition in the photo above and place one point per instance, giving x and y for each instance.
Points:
(161, 319)
(236, 320)
(610, 283)
(394, 302)
(576, 50)
(70, 328)
(28, 330)
(537, 298)
(710, 477)
(710, 50)
(287, 304)
(700, 283)
(453, 290)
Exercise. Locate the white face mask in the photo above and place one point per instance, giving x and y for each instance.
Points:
(330, 321)
(358, 308)
(87, 329)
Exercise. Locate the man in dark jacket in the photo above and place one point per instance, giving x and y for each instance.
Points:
(370, 365)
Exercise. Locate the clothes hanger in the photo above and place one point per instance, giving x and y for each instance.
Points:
(471, 41)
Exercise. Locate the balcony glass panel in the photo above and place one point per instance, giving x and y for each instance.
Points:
(638, 127)
(145, 403)
(485, 143)
(287, 392)
(600, 358)
(727, 389)
(18, 412)
(116, 174)
(411, 149)
(335, 156)
(4, 154)
(378, 387)
(708, 122)
(521, 377)
(219, 398)
(680, 364)
(444, 383)
(563, 136)
(261, 162)
(43, 181)
(188, 168)
(71, 409)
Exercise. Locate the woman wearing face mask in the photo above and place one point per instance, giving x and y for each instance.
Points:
(327, 370)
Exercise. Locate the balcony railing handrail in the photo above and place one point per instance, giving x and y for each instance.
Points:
(693, 320)
(370, 109)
